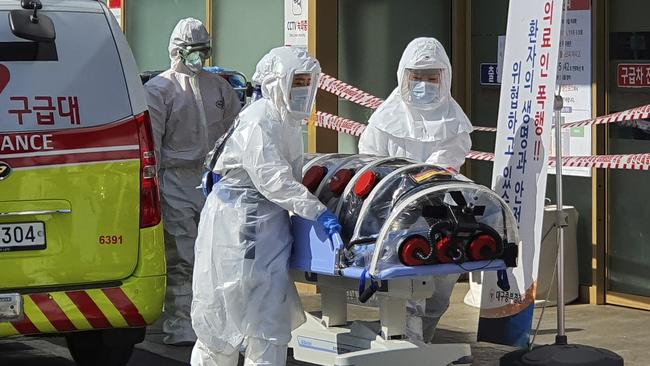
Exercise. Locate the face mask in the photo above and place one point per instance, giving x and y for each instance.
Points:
(299, 99)
(194, 62)
(424, 92)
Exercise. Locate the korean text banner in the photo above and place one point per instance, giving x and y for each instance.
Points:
(521, 160)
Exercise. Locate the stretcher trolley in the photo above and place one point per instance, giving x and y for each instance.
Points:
(403, 223)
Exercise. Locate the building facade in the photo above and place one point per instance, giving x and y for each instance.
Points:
(607, 52)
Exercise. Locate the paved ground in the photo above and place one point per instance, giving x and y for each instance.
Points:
(29, 351)
(621, 330)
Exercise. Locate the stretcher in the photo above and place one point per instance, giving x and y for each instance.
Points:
(403, 224)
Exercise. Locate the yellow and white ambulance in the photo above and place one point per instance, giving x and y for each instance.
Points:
(81, 239)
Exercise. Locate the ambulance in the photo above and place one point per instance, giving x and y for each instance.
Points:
(81, 238)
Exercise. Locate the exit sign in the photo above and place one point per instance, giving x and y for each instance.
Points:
(490, 74)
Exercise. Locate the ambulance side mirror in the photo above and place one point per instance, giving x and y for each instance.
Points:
(28, 24)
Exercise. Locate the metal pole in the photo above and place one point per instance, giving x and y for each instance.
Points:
(561, 337)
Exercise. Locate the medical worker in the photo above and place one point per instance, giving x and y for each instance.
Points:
(190, 109)
(242, 289)
(420, 120)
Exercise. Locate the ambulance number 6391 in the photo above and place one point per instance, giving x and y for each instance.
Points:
(110, 239)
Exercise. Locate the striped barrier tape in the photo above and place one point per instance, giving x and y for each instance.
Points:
(624, 118)
(641, 112)
(480, 155)
(625, 162)
(340, 124)
(348, 92)
(485, 129)
(355, 95)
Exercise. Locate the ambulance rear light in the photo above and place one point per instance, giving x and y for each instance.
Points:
(150, 211)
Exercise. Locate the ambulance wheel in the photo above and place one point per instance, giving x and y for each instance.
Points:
(111, 347)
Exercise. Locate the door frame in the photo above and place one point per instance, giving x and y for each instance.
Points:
(601, 181)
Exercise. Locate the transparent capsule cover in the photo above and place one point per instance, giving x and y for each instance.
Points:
(406, 218)
(353, 164)
(350, 204)
(388, 192)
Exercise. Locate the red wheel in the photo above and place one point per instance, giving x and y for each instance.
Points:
(443, 248)
(483, 247)
(413, 249)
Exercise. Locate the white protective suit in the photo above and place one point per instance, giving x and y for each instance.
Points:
(242, 289)
(436, 133)
(189, 112)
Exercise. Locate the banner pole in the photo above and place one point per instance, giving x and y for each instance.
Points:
(561, 337)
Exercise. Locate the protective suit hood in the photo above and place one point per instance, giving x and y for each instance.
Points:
(188, 31)
(274, 73)
(437, 121)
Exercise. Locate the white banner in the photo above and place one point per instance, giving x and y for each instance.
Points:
(296, 23)
(521, 160)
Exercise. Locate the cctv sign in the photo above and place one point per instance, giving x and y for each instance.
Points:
(296, 22)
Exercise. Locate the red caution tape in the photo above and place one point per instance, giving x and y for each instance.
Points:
(626, 162)
(623, 118)
(348, 92)
(480, 155)
(360, 97)
(485, 129)
(642, 112)
(339, 124)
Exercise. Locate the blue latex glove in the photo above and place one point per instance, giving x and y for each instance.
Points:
(330, 222)
(208, 181)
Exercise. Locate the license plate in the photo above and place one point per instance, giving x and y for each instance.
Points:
(22, 236)
(11, 307)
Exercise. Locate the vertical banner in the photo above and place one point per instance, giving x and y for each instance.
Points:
(521, 160)
(296, 22)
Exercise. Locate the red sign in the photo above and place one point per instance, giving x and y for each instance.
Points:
(113, 4)
(579, 5)
(4, 77)
(633, 75)
(45, 108)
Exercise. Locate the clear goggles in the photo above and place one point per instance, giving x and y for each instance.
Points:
(203, 49)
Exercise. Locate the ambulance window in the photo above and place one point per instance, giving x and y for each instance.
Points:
(28, 51)
(77, 81)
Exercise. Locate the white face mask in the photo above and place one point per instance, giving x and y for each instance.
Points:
(424, 92)
(299, 100)
(194, 62)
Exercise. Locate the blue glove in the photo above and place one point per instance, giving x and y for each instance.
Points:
(208, 181)
(330, 222)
